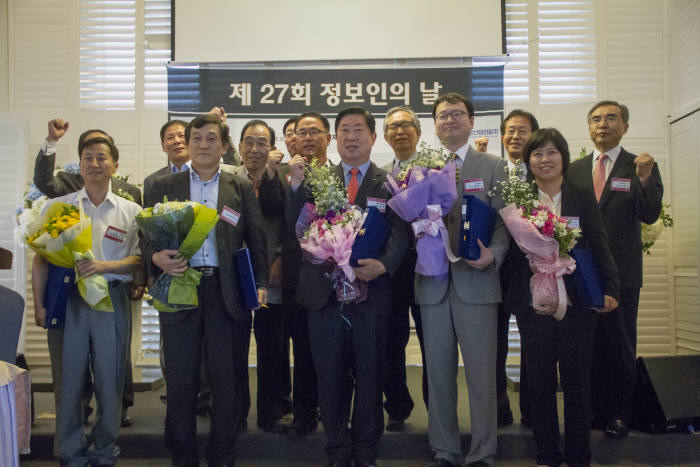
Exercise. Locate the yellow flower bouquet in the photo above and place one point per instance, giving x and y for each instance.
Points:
(62, 235)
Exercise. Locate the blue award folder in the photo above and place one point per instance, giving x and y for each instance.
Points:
(477, 223)
(59, 287)
(586, 279)
(246, 278)
(372, 236)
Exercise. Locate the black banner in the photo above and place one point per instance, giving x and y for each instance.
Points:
(283, 92)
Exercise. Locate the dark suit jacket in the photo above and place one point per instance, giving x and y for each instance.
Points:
(236, 193)
(623, 212)
(148, 198)
(314, 290)
(574, 203)
(63, 182)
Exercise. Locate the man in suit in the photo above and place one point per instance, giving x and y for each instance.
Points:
(462, 308)
(255, 147)
(515, 131)
(348, 340)
(172, 140)
(401, 131)
(629, 191)
(311, 137)
(64, 182)
(291, 145)
(220, 321)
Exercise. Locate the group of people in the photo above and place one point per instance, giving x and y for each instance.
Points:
(349, 359)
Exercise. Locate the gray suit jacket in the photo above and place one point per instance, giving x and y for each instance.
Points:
(473, 285)
(63, 182)
(236, 193)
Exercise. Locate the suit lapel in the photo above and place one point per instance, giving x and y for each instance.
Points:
(368, 185)
(180, 187)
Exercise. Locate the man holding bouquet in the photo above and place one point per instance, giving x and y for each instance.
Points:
(220, 321)
(461, 308)
(99, 337)
(348, 339)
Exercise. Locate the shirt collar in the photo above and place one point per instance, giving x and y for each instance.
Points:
(363, 168)
(461, 153)
(185, 166)
(195, 178)
(398, 161)
(612, 154)
(111, 197)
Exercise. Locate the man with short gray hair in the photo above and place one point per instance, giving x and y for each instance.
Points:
(401, 132)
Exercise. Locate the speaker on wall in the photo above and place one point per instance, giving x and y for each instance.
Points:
(667, 394)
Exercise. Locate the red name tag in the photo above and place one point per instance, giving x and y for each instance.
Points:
(115, 234)
(230, 216)
(475, 184)
(620, 184)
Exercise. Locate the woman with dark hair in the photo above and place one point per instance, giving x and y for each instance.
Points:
(569, 341)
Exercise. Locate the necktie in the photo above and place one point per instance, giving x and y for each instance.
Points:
(353, 185)
(599, 176)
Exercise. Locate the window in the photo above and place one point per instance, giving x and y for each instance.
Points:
(107, 54)
(566, 50)
(156, 54)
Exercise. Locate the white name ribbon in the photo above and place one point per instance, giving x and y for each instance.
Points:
(378, 203)
(230, 216)
(620, 184)
(113, 233)
(475, 184)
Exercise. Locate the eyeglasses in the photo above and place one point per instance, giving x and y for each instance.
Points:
(251, 143)
(403, 125)
(313, 132)
(357, 131)
(608, 119)
(456, 114)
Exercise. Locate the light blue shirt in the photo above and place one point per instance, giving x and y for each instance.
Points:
(360, 175)
(206, 193)
(184, 167)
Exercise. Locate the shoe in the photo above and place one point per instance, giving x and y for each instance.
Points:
(524, 421)
(505, 417)
(275, 426)
(287, 405)
(394, 424)
(301, 427)
(616, 429)
(440, 462)
(126, 420)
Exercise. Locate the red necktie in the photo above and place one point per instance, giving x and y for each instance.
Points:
(353, 185)
(599, 176)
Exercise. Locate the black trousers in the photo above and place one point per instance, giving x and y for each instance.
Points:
(304, 385)
(614, 360)
(227, 343)
(348, 346)
(268, 326)
(398, 402)
(501, 355)
(569, 343)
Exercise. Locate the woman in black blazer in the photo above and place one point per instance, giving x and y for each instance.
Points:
(567, 342)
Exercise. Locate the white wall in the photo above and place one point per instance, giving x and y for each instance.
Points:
(632, 42)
